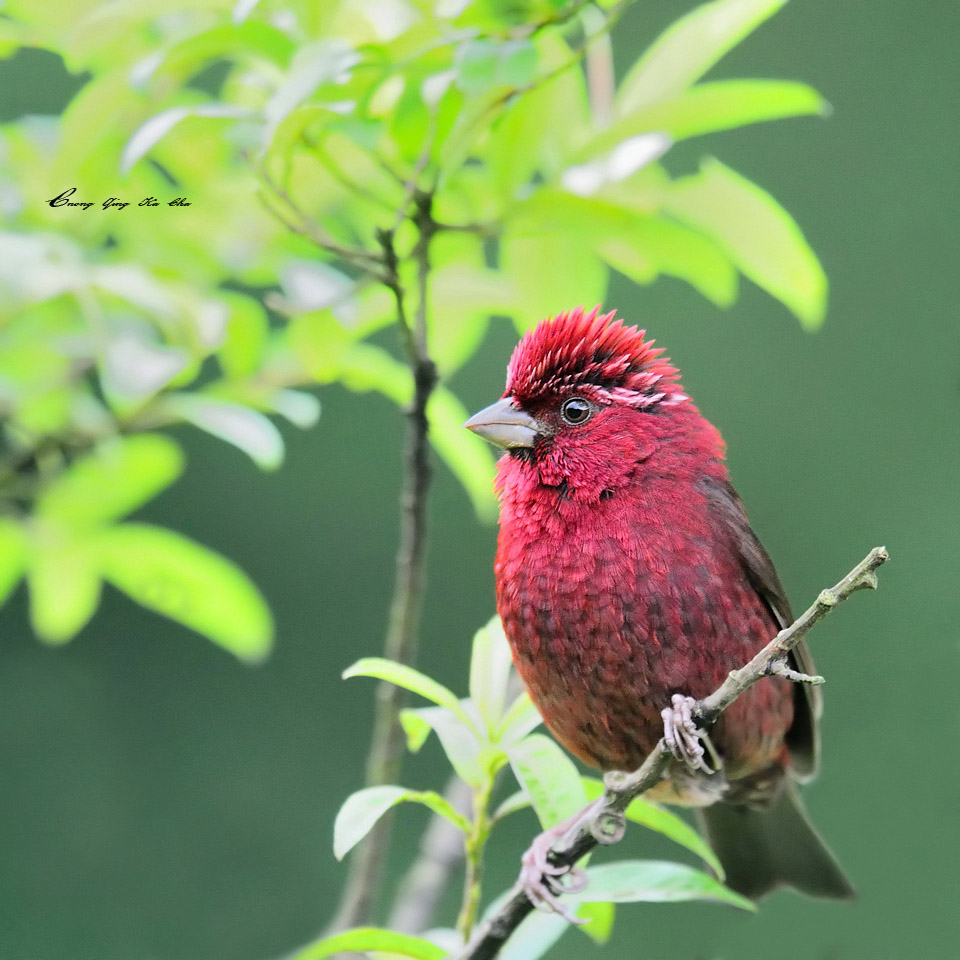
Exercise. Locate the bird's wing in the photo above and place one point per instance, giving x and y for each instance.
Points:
(803, 737)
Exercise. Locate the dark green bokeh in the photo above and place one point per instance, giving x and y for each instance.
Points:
(160, 800)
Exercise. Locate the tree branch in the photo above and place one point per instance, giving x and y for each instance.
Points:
(604, 823)
(386, 748)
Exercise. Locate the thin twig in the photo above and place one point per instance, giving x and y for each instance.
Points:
(386, 748)
(605, 823)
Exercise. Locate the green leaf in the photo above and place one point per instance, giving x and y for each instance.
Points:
(64, 580)
(710, 107)
(312, 65)
(244, 345)
(473, 761)
(301, 409)
(246, 429)
(551, 272)
(13, 554)
(520, 719)
(368, 939)
(599, 916)
(758, 235)
(416, 729)
(688, 48)
(550, 778)
(117, 478)
(668, 824)
(490, 664)
(651, 246)
(653, 881)
(468, 457)
(408, 678)
(361, 810)
(157, 127)
(482, 64)
(177, 577)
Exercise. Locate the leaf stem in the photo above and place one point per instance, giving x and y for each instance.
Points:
(474, 847)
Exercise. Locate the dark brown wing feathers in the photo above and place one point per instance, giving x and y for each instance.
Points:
(803, 737)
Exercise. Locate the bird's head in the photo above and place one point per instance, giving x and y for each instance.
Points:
(587, 399)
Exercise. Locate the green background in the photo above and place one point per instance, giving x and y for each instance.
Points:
(160, 800)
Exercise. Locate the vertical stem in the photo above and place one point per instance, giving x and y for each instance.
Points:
(386, 747)
(474, 846)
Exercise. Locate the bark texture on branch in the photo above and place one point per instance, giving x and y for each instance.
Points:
(605, 823)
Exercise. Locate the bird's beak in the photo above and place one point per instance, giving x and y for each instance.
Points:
(504, 425)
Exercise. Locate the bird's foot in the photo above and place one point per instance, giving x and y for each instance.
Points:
(684, 739)
(544, 882)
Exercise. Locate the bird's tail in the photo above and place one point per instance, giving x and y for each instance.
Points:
(762, 849)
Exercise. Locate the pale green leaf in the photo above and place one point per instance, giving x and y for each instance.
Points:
(473, 761)
(415, 728)
(653, 881)
(301, 409)
(521, 718)
(664, 822)
(710, 107)
(13, 552)
(651, 246)
(407, 677)
(369, 939)
(157, 127)
(490, 664)
(758, 235)
(113, 480)
(551, 271)
(361, 810)
(245, 341)
(166, 572)
(64, 581)
(517, 801)
(599, 916)
(246, 429)
(549, 777)
(688, 48)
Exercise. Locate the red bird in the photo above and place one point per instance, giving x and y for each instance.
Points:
(629, 581)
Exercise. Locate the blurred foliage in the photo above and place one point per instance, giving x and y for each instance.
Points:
(481, 735)
(304, 138)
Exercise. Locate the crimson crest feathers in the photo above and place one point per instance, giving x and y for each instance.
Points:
(593, 353)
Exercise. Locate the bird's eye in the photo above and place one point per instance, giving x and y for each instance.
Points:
(576, 410)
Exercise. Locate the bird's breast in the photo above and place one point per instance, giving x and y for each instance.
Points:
(611, 607)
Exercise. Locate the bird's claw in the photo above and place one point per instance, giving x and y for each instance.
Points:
(544, 882)
(684, 739)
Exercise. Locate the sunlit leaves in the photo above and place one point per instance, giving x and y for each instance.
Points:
(64, 581)
(147, 136)
(482, 64)
(490, 666)
(114, 480)
(384, 942)
(246, 429)
(688, 48)
(654, 881)
(549, 777)
(166, 572)
(409, 679)
(361, 810)
(758, 235)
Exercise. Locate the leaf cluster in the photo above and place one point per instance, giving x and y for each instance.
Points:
(482, 735)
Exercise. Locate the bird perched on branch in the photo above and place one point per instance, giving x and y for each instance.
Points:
(630, 583)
